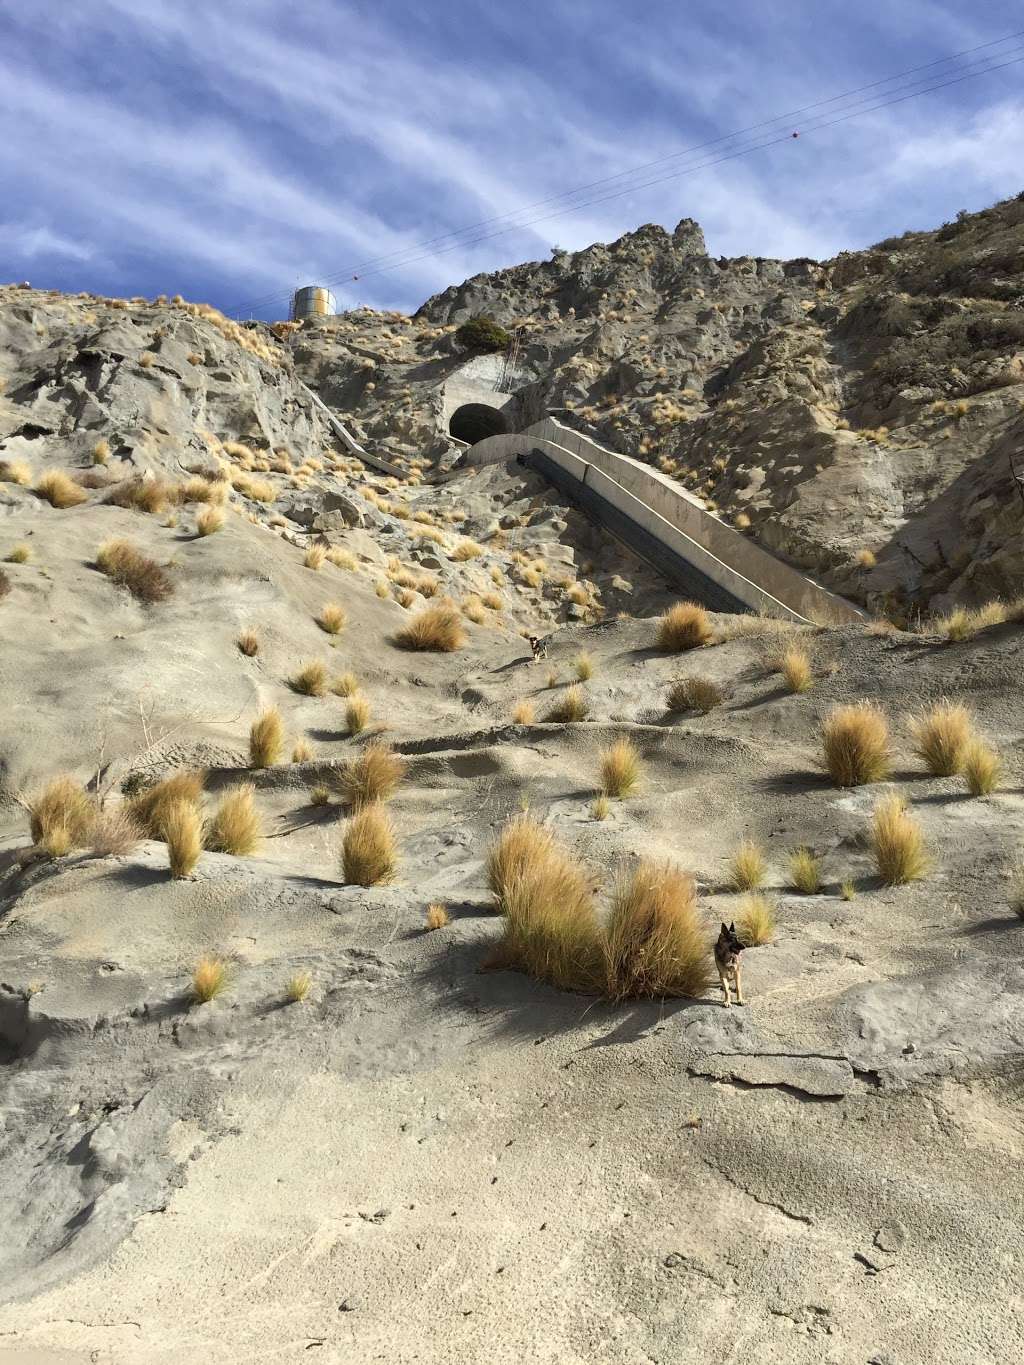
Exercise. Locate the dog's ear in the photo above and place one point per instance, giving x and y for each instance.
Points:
(725, 927)
(732, 927)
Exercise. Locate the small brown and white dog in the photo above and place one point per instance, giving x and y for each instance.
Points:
(727, 959)
(539, 647)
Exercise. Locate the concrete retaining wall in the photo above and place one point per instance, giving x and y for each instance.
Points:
(738, 565)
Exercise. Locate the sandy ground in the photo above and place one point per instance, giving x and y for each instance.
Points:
(427, 1161)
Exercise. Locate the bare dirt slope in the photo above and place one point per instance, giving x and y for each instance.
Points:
(426, 1160)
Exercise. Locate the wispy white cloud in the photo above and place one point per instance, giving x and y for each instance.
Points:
(28, 242)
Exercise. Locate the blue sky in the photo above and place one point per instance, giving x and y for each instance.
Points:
(229, 150)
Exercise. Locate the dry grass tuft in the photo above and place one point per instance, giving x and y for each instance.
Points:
(897, 843)
(621, 768)
(298, 987)
(149, 807)
(368, 853)
(342, 559)
(600, 807)
(572, 706)
(756, 921)
(866, 559)
(21, 554)
(101, 452)
(655, 942)
(373, 776)
(467, 549)
(437, 916)
(236, 826)
(59, 489)
(114, 833)
(551, 929)
(209, 520)
(981, 767)
(345, 685)
(144, 494)
(583, 666)
(314, 557)
(941, 735)
(311, 679)
(249, 643)
(332, 618)
(182, 826)
(128, 567)
(357, 714)
(320, 795)
(684, 626)
(856, 744)
(523, 713)
(795, 667)
(963, 623)
(302, 751)
(694, 694)
(209, 979)
(437, 627)
(61, 816)
(266, 739)
(473, 610)
(805, 872)
(847, 890)
(15, 471)
(747, 869)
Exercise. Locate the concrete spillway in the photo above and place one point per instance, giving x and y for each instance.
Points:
(658, 520)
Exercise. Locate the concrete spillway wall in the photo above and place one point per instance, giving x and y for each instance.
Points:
(665, 525)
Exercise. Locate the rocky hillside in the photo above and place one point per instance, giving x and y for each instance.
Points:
(862, 415)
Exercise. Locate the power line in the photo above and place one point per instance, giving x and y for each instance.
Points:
(399, 259)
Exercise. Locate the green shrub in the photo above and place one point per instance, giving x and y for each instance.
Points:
(482, 334)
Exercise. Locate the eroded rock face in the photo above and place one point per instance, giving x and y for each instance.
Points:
(831, 403)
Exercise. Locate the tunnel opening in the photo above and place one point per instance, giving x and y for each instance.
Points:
(475, 422)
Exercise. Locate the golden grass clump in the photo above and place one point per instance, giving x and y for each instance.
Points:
(523, 712)
(311, 679)
(314, 557)
(101, 452)
(583, 666)
(467, 549)
(655, 943)
(332, 618)
(302, 751)
(600, 807)
(795, 667)
(747, 869)
(856, 744)
(114, 833)
(981, 767)
(473, 610)
(756, 921)
(866, 559)
(621, 768)
(437, 916)
(144, 493)
(21, 554)
(182, 826)
(320, 795)
(437, 627)
(298, 987)
(342, 559)
(847, 890)
(209, 520)
(59, 489)
(694, 694)
(805, 871)
(897, 843)
(128, 567)
(61, 816)
(15, 471)
(551, 928)
(373, 776)
(248, 642)
(572, 706)
(357, 714)
(684, 626)
(209, 979)
(368, 853)
(941, 735)
(236, 826)
(493, 601)
(345, 685)
(963, 623)
(149, 807)
(266, 739)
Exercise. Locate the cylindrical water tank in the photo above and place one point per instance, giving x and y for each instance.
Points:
(312, 301)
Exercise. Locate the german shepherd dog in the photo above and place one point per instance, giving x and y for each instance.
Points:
(727, 959)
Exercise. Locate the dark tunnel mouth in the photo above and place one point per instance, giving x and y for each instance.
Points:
(475, 422)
